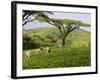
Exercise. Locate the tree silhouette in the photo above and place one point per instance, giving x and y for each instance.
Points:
(29, 16)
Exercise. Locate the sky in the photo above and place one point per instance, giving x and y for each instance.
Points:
(84, 17)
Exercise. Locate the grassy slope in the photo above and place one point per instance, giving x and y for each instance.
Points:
(40, 31)
(57, 58)
(66, 58)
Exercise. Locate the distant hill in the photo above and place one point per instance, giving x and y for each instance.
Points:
(85, 30)
(48, 30)
(40, 31)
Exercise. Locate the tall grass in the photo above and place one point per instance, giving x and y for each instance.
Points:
(76, 57)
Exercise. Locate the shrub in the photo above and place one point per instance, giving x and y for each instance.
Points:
(29, 43)
(51, 38)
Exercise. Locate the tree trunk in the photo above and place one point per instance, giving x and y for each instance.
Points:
(63, 42)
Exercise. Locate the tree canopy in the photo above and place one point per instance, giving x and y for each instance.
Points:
(62, 22)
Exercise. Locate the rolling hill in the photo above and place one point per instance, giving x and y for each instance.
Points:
(49, 30)
(75, 57)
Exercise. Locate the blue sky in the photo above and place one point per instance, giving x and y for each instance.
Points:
(84, 17)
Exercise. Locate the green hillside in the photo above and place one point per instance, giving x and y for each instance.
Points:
(49, 30)
(76, 56)
(40, 31)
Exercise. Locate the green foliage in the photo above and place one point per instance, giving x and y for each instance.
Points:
(29, 43)
(52, 38)
(77, 57)
(73, 57)
(62, 21)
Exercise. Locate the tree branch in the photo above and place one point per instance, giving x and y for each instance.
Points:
(75, 27)
(25, 22)
(70, 28)
(26, 17)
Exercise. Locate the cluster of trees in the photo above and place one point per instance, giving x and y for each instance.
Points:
(36, 41)
(64, 26)
(30, 42)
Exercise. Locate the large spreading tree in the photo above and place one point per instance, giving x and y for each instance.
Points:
(64, 26)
